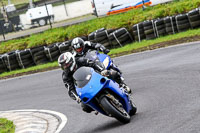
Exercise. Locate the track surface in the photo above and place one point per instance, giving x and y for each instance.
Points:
(165, 84)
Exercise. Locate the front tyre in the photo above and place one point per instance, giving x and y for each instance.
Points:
(133, 110)
(115, 110)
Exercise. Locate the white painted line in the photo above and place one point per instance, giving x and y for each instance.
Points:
(62, 117)
(177, 45)
(33, 74)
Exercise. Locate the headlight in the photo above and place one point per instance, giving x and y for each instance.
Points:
(106, 62)
(88, 77)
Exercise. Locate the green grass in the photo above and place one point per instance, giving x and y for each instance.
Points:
(145, 43)
(30, 69)
(6, 126)
(111, 22)
(127, 49)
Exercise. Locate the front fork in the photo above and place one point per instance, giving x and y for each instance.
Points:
(114, 67)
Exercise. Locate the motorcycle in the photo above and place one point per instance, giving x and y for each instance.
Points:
(101, 59)
(103, 94)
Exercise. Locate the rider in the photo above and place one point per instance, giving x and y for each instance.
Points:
(81, 47)
(69, 65)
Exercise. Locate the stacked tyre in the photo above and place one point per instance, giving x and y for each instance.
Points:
(85, 38)
(2, 65)
(138, 32)
(25, 58)
(52, 52)
(149, 29)
(39, 55)
(120, 37)
(170, 25)
(92, 36)
(100, 36)
(160, 27)
(182, 22)
(194, 18)
(10, 60)
(64, 47)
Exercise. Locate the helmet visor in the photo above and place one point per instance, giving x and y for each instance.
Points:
(79, 50)
(67, 65)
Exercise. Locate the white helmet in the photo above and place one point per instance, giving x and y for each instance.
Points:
(78, 45)
(67, 61)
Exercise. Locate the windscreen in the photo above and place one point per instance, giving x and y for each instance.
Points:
(82, 76)
(91, 55)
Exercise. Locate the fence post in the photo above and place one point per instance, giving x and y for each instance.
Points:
(143, 6)
(48, 15)
(65, 7)
(2, 32)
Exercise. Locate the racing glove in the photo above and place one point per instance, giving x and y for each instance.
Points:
(106, 51)
(77, 98)
(105, 73)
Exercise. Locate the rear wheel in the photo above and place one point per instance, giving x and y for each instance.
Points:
(115, 109)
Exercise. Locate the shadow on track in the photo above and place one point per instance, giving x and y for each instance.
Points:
(110, 125)
(107, 126)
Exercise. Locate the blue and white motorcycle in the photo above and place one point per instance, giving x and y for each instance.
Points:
(102, 94)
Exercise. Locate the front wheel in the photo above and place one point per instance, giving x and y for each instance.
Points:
(115, 110)
(133, 110)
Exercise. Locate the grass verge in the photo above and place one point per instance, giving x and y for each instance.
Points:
(183, 37)
(111, 22)
(30, 70)
(6, 126)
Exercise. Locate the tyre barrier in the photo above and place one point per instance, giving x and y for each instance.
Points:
(64, 46)
(138, 32)
(111, 38)
(92, 36)
(39, 55)
(25, 58)
(120, 37)
(52, 52)
(10, 60)
(85, 38)
(160, 27)
(170, 25)
(100, 36)
(194, 18)
(149, 29)
(2, 65)
(182, 22)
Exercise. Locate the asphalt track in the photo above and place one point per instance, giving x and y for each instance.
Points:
(165, 85)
